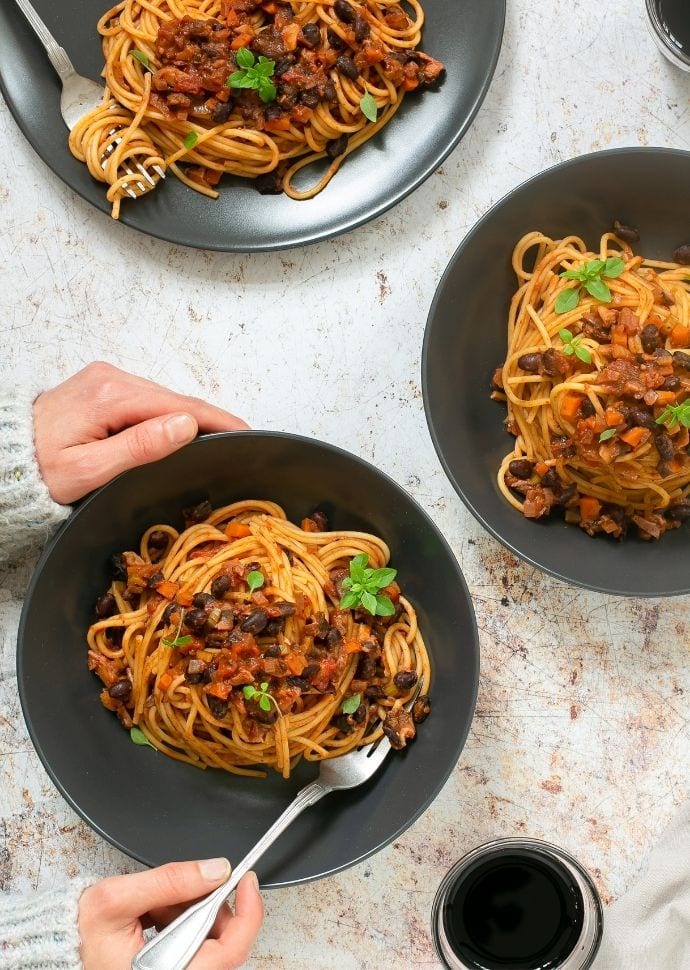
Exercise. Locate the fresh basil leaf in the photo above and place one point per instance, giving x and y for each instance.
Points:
(361, 560)
(249, 690)
(573, 274)
(255, 580)
(369, 107)
(244, 58)
(384, 606)
(609, 433)
(369, 602)
(613, 267)
(234, 79)
(265, 67)
(599, 290)
(138, 737)
(191, 139)
(593, 268)
(357, 573)
(350, 704)
(178, 641)
(565, 335)
(264, 703)
(382, 577)
(568, 350)
(583, 354)
(141, 57)
(349, 601)
(567, 300)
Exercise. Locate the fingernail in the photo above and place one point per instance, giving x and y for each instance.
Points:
(214, 870)
(180, 429)
(254, 879)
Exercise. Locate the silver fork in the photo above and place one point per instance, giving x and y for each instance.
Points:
(80, 94)
(174, 947)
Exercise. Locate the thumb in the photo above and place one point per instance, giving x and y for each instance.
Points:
(98, 462)
(129, 897)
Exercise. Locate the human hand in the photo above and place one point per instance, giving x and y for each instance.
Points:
(103, 421)
(114, 913)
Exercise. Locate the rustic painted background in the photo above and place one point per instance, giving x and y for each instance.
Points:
(581, 734)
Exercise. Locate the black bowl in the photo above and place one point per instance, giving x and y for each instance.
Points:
(465, 340)
(156, 809)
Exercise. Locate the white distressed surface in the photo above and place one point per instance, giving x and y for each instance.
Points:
(581, 735)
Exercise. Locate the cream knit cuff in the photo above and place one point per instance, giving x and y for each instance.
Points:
(41, 931)
(27, 512)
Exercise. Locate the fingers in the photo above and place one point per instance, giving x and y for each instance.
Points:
(234, 935)
(85, 467)
(124, 898)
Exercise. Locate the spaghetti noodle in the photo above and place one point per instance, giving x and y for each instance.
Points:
(254, 88)
(597, 390)
(226, 645)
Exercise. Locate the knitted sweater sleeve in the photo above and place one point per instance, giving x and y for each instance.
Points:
(40, 931)
(27, 512)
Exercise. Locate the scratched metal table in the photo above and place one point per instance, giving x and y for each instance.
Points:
(581, 734)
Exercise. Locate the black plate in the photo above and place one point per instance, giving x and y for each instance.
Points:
(465, 340)
(156, 809)
(464, 34)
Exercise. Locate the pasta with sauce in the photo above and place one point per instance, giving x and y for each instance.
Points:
(225, 645)
(597, 390)
(254, 88)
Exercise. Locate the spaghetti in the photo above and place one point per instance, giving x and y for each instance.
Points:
(254, 88)
(597, 390)
(226, 645)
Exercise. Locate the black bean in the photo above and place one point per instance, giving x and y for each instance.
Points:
(627, 233)
(344, 11)
(681, 360)
(274, 627)
(421, 708)
(311, 670)
(106, 605)
(158, 539)
(405, 679)
(664, 446)
(284, 609)
(273, 111)
(220, 586)
(587, 409)
(121, 688)
(299, 682)
(642, 418)
(222, 112)
(170, 610)
(255, 623)
(671, 384)
(335, 40)
(565, 496)
(273, 650)
(360, 714)
(155, 579)
(118, 567)
(309, 99)
(682, 255)
(362, 29)
(521, 467)
(347, 67)
(333, 638)
(550, 478)
(336, 146)
(195, 619)
(201, 600)
(269, 184)
(217, 640)
(329, 92)
(662, 356)
(366, 669)
(284, 64)
(311, 35)
(321, 520)
(373, 692)
(678, 513)
(530, 362)
(343, 724)
(651, 338)
(217, 706)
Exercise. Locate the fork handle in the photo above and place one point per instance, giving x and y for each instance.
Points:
(175, 946)
(58, 56)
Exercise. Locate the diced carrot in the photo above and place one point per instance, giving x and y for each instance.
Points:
(619, 335)
(269, 6)
(665, 398)
(591, 422)
(296, 662)
(164, 681)
(242, 40)
(676, 465)
(618, 352)
(613, 417)
(636, 436)
(590, 508)
(541, 468)
(680, 336)
(353, 646)
(301, 114)
(237, 530)
(656, 319)
(281, 123)
(410, 83)
(184, 597)
(167, 588)
(570, 405)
